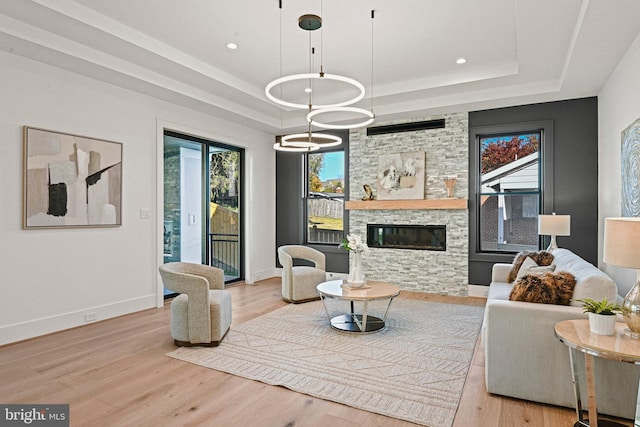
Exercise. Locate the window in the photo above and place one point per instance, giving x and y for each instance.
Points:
(325, 197)
(510, 191)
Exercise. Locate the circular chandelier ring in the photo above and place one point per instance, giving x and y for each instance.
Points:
(306, 76)
(370, 117)
(279, 147)
(311, 140)
(304, 141)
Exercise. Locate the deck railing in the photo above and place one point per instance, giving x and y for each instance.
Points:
(224, 253)
(320, 235)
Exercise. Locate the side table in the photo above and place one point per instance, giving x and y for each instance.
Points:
(577, 336)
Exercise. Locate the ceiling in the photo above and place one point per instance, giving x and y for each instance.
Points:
(517, 51)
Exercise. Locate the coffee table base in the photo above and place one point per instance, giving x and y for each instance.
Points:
(353, 323)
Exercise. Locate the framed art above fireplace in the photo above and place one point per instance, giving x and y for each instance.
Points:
(401, 176)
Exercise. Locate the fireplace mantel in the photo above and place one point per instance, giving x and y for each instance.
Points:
(406, 204)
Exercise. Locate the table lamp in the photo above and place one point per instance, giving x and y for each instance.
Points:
(554, 225)
(622, 248)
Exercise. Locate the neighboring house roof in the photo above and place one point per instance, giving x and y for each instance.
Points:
(517, 175)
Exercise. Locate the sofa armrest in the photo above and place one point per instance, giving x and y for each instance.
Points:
(500, 272)
(523, 358)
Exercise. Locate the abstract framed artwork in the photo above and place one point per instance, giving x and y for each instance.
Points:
(401, 176)
(630, 166)
(70, 180)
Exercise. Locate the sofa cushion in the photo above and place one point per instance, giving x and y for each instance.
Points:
(590, 281)
(544, 288)
(499, 291)
(541, 258)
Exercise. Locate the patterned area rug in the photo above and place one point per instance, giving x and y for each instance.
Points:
(413, 370)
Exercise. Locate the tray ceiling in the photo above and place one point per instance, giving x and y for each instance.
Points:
(517, 51)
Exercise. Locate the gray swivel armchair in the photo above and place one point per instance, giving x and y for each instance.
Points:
(201, 314)
(299, 283)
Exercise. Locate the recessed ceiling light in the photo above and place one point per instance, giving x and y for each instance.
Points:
(308, 90)
(232, 46)
(461, 60)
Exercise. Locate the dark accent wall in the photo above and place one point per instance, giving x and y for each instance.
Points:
(290, 219)
(575, 171)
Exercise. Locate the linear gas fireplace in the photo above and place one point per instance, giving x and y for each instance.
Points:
(420, 237)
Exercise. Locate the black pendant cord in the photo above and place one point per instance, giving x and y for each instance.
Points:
(372, 17)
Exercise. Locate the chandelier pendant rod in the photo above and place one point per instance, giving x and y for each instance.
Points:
(373, 15)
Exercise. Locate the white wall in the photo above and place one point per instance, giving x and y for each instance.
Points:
(51, 278)
(618, 107)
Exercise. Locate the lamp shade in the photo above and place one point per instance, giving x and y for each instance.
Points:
(622, 242)
(554, 225)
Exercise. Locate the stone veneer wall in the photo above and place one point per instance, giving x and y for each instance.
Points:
(172, 204)
(447, 154)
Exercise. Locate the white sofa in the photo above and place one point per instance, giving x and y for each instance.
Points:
(525, 360)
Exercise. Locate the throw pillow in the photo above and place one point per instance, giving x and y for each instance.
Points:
(545, 288)
(542, 258)
(530, 266)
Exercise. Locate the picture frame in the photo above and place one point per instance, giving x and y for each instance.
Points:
(401, 176)
(70, 181)
(630, 168)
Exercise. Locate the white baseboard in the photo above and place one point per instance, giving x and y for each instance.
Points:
(47, 325)
(330, 275)
(265, 274)
(337, 276)
(480, 291)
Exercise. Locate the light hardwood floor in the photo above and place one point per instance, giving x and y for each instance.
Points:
(115, 373)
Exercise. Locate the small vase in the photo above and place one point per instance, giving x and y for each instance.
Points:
(450, 184)
(356, 273)
(631, 310)
(602, 324)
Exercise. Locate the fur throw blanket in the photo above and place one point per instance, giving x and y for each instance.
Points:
(545, 288)
(542, 258)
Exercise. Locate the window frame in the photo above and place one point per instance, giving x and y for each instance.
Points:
(545, 164)
(306, 198)
(537, 192)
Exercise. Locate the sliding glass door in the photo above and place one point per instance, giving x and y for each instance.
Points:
(202, 203)
(224, 210)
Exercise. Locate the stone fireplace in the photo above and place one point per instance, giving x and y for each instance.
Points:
(442, 271)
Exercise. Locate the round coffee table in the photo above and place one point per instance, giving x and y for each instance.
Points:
(352, 322)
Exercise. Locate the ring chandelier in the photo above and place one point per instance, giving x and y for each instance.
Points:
(310, 141)
(278, 146)
(309, 76)
(370, 117)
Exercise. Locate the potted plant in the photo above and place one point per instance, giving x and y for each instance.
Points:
(602, 315)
